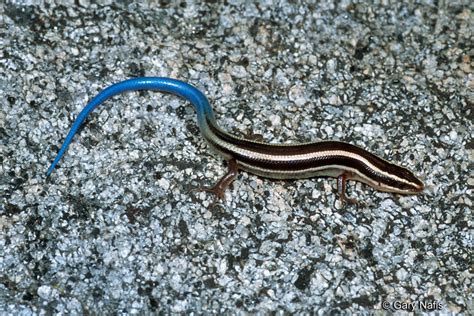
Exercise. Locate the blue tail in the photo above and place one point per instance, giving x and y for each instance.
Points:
(173, 86)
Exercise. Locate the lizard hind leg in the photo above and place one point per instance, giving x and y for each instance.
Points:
(219, 188)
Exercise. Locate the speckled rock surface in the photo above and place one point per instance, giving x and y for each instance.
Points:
(117, 227)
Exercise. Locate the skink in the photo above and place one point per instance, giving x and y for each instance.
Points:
(278, 161)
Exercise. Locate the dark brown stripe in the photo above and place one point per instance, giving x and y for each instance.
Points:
(301, 165)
